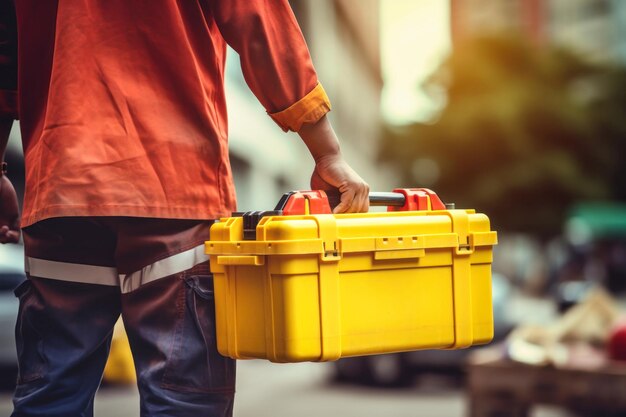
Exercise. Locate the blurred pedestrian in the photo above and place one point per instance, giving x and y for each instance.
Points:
(124, 129)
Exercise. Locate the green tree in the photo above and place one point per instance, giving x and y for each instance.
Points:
(526, 132)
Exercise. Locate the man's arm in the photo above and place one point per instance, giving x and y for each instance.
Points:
(9, 214)
(277, 67)
(331, 170)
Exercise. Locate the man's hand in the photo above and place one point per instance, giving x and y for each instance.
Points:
(9, 215)
(331, 170)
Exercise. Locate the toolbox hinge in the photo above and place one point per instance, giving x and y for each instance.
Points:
(465, 246)
(331, 251)
(327, 227)
(460, 226)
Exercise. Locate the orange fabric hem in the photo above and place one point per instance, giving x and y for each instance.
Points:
(122, 211)
(8, 103)
(309, 109)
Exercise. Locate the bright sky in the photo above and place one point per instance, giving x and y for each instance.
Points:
(415, 38)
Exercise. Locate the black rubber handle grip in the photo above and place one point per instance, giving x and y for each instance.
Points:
(387, 199)
(376, 198)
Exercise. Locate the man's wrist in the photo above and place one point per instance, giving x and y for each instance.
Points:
(320, 139)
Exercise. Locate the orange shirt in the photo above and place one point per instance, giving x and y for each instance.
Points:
(122, 103)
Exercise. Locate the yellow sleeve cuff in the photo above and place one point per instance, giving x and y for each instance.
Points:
(309, 109)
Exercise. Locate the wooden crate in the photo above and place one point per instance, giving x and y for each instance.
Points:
(502, 388)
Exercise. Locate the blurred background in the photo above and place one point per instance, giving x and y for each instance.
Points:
(516, 108)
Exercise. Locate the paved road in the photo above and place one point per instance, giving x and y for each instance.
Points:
(303, 390)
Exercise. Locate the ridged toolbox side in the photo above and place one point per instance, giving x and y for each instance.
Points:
(321, 287)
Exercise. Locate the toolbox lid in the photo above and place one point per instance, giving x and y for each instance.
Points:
(346, 233)
(302, 223)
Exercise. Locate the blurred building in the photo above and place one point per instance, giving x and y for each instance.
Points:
(472, 17)
(594, 28)
(343, 37)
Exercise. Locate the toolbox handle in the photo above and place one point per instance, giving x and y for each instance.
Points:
(400, 199)
(322, 202)
(377, 198)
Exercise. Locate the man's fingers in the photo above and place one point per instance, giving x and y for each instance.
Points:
(364, 199)
(360, 202)
(352, 204)
(346, 202)
(342, 207)
(354, 199)
(357, 200)
(11, 237)
(334, 172)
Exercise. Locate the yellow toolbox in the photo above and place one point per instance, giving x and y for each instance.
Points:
(301, 284)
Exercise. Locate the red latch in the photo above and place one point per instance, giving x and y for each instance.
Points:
(305, 202)
(418, 199)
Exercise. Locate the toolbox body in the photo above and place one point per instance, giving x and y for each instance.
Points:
(318, 287)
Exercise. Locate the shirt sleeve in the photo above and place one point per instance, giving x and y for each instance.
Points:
(275, 60)
(8, 60)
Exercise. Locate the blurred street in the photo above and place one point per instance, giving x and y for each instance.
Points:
(306, 390)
